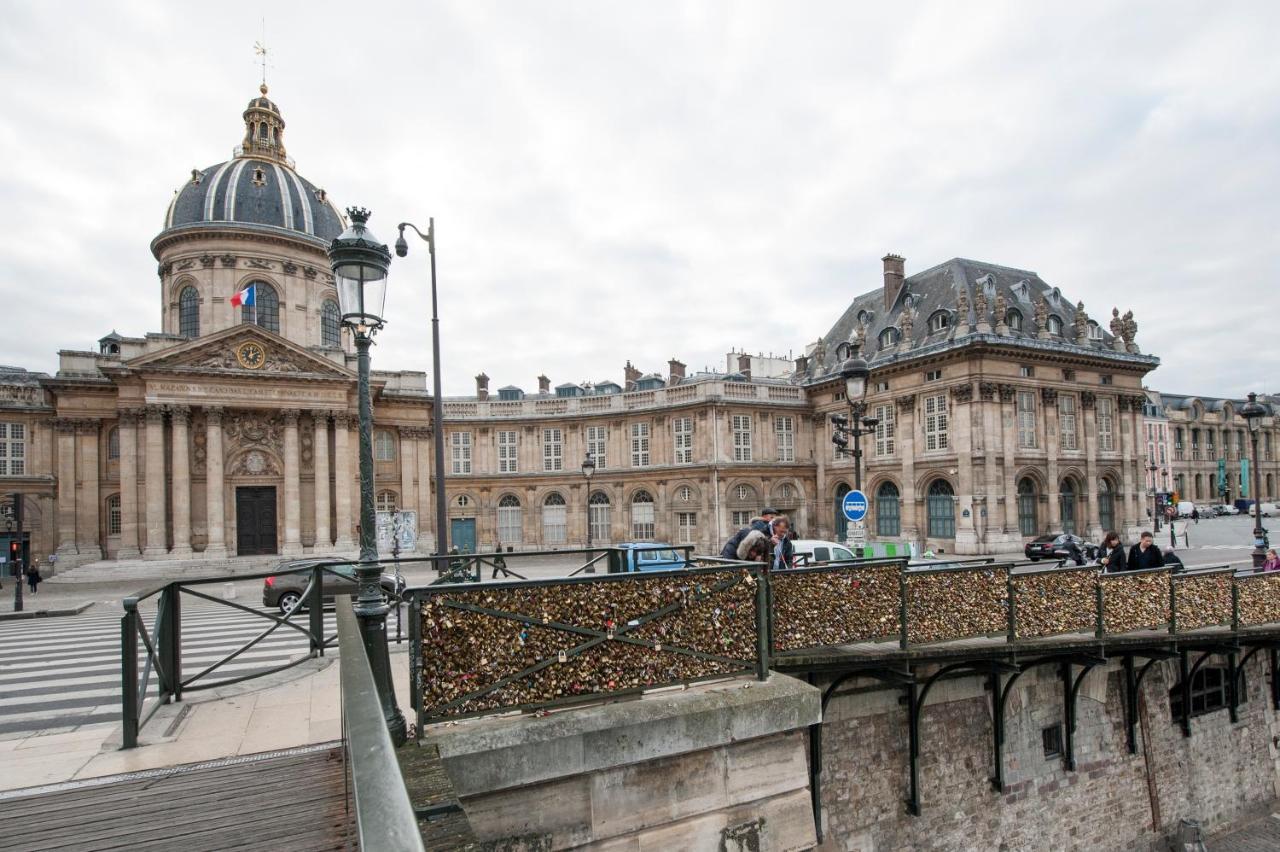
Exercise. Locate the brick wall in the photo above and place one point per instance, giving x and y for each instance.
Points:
(1214, 776)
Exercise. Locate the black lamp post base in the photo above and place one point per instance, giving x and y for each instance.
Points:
(373, 629)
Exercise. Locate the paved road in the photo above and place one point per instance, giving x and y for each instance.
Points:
(63, 672)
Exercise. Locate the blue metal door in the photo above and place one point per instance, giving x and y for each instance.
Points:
(462, 534)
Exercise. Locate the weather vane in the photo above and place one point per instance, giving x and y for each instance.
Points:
(260, 49)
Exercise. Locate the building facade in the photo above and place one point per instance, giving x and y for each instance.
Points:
(1004, 412)
(1212, 453)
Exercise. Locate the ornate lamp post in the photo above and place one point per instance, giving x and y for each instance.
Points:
(437, 403)
(360, 265)
(1253, 412)
(1152, 469)
(855, 373)
(588, 470)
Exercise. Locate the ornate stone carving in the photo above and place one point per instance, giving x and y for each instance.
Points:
(180, 413)
(980, 308)
(154, 413)
(1002, 311)
(129, 416)
(257, 263)
(206, 260)
(1117, 330)
(289, 267)
(309, 271)
(199, 444)
(1007, 393)
(1087, 399)
(220, 359)
(1137, 402)
(906, 402)
(184, 265)
(962, 393)
(1081, 325)
(1042, 317)
(254, 463)
(962, 308)
(1049, 396)
(246, 429)
(213, 414)
(164, 269)
(1129, 330)
(987, 391)
(1122, 402)
(306, 449)
(906, 321)
(228, 260)
(419, 432)
(290, 416)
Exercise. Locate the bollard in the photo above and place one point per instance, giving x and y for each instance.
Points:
(228, 591)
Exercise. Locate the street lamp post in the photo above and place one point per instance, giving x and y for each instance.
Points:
(1152, 469)
(437, 405)
(1253, 412)
(360, 265)
(588, 469)
(855, 373)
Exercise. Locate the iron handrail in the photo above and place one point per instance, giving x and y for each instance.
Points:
(385, 821)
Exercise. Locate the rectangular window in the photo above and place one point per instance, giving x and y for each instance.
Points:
(639, 444)
(1161, 447)
(1026, 419)
(1106, 437)
(884, 415)
(686, 527)
(741, 426)
(881, 387)
(1069, 375)
(785, 430)
(1105, 379)
(682, 433)
(114, 520)
(1067, 421)
(739, 519)
(1026, 372)
(13, 449)
(507, 449)
(597, 437)
(933, 376)
(460, 446)
(552, 450)
(642, 521)
(1051, 741)
(509, 522)
(935, 422)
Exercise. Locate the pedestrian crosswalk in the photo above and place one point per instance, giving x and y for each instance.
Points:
(65, 671)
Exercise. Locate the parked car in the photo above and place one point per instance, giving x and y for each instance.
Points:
(642, 556)
(1185, 508)
(1269, 509)
(285, 590)
(1224, 509)
(1058, 546)
(815, 550)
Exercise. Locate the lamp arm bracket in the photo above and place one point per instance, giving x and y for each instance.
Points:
(425, 237)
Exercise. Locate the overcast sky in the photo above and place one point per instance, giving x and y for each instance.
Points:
(647, 180)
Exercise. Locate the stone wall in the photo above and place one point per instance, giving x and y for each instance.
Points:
(1222, 770)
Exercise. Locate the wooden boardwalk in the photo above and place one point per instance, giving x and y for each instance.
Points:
(290, 802)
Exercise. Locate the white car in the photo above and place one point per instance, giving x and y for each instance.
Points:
(1225, 509)
(821, 551)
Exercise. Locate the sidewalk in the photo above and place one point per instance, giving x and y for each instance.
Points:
(296, 708)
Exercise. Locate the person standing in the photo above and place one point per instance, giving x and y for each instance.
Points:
(1145, 554)
(760, 524)
(784, 552)
(1272, 562)
(33, 576)
(1113, 553)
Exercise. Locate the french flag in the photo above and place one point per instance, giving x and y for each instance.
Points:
(244, 298)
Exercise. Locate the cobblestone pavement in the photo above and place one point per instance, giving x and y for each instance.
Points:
(1260, 835)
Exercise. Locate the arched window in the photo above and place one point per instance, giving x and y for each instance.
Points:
(1013, 319)
(888, 511)
(888, 337)
(842, 523)
(330, 330)
(113, 444)
(1028, 501)
(384, 446)
(1067, 501)
(265, 310)
(386, 501)
(509, 520)
(941, 507)
(598, 511)
(553, 519)
(113, 515)
(940, 321)
(642, 516)
(1054, 324)
(189, 312)
(1106, 504)
(684, 494)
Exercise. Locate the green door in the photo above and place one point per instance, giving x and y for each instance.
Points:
(462, 534)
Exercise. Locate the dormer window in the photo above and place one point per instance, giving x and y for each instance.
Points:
(321, 195)
(259, 177)
(1013, 319)
(863, 317)
(843, 351)
(888, 337)
(940, 321)
(1095, 331)
(1054, 324)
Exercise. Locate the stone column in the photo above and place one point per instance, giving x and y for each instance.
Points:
(66, 431)
(87, 527)
(342, 480)
(408, 463)
(992, 449)
(962, 420)
(1120, 423)
(129, 485)
(156, 547)
(912, 528)
(426, 496)
(213, 485)
(1094, 532)
(1009, 430)
(320, 451)
(1048, 409)
(1138, 462)
(180, 418)
(292, 486)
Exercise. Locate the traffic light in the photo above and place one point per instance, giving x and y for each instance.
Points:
(1176, 498)
(15, 553)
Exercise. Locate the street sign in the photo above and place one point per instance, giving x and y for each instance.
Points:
(854, 506)
(857, 535)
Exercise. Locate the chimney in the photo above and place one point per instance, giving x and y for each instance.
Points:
(544, 384)
(802, 365)
(676, 370)
(630, 376)
(482, 387)
(744, 364)
(894, 273)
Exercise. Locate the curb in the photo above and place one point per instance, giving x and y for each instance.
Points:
(43, 613)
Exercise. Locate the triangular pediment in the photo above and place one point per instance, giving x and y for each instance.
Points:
(245, 350)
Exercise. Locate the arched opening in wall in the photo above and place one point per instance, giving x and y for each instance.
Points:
(1198, 491)
(386, 501)
(888, 511)
(940, 506)
(842, 523)
(642, 516)
(1270, 487)
(1028, 504)
(189, 312)
(265, 310)
(510, 520)
(598, 508)
(1067, 504)
(1106, 504)
(554, 520)
(743, 505)
(330, 327)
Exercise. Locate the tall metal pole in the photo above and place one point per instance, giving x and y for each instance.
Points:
(437, 414)
(369, 607)
(1260, 543)
(856, 410)
(19, 564)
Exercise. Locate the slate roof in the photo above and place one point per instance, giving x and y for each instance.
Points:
(937, 289)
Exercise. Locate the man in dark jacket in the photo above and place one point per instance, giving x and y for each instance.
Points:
(1145, 554)
(761, 523)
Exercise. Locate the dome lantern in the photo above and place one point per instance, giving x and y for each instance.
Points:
(264, 129)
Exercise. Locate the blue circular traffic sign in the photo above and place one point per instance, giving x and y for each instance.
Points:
(854, 505)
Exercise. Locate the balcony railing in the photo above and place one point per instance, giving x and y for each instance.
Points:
(788, 395)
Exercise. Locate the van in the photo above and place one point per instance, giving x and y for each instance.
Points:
(1270, 509)
(1185, 508)
(815, 550)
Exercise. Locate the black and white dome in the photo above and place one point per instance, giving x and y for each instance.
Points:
(259, 188)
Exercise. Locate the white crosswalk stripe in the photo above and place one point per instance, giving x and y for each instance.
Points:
(65, 671)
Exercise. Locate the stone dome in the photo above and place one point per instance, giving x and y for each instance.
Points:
(257, 188)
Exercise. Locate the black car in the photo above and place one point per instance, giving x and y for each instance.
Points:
(1060, 546)
(285, 590)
